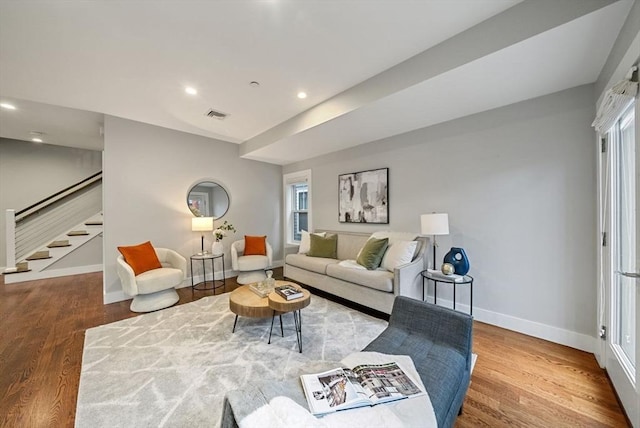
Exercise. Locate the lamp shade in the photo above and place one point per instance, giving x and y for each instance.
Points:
(435, 224)
(202, 224)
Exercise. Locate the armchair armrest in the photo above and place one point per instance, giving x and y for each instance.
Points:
(236, 247)
(269, 254)
(127, 277)
(176, 261)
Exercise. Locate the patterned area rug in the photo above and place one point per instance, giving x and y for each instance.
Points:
(172, 368)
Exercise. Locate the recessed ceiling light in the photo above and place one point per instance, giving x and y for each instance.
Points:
(302, 95)
(254, 84)
(190, 90)
(36, 136)
(8, 106)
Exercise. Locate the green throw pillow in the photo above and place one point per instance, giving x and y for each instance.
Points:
(372, 253)
(323, 246)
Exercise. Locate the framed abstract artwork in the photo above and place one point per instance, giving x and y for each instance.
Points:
(363, 197)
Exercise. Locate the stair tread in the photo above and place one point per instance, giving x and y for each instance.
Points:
(77, 233)
(57, 244)
(18, 271)
(39, 255)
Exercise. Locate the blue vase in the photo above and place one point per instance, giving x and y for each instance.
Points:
(458, 258)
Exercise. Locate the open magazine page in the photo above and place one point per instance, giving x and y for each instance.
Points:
(385, 382)
(332, 391)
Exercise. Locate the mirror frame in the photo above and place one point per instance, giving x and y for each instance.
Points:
(213, 181)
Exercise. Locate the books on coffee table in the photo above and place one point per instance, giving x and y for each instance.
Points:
(289, 292)
(261, 288)
(364, 385)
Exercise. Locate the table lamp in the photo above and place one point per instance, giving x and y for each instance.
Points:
(434, 224)
(202, 224)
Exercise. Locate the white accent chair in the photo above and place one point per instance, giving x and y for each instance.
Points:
(154, 289)
(250, 268)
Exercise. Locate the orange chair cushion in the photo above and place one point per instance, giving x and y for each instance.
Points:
(255, 246)
(141, 257)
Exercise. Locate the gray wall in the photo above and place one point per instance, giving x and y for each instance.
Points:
(30, 172)
(519, 185)
(148, 171)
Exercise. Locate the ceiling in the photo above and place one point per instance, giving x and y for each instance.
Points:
(370, 69)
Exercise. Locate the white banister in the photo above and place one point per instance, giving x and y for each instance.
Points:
(10, 239)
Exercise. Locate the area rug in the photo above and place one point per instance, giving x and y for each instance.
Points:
(171, 368)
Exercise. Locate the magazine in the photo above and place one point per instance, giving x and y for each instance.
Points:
(289, 292)
(364, 385)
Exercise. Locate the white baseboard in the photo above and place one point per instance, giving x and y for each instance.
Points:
(115, 296)
(553, 334)
(54, 273)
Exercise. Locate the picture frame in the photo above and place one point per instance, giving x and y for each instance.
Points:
(363, 197)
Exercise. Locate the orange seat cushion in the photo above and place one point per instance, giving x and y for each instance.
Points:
(255, 245)
(141, 257)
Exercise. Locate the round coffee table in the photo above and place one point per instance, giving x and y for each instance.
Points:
(244, 302)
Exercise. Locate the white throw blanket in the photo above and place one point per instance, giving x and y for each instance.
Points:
(418, 411)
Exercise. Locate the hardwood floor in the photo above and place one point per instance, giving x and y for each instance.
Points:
(518, 381)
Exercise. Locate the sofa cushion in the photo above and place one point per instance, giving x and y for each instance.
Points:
(371, 254)
(323, 246)
(305, 241)
(255, 246)
(313, 264)
(141, 257)
(379, 279)
(398, 254)
(253, 262)
(160, 279)
(394, 236)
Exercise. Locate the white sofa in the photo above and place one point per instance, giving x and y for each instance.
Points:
(375, 289)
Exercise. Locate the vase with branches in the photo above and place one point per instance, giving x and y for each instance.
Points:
(223, 230)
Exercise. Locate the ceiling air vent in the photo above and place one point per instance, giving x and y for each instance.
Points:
(216, 114)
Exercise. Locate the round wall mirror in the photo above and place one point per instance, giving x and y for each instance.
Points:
(208, 199)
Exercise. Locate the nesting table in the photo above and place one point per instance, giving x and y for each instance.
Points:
(245, 303)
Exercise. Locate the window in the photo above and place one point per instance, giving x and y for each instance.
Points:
(624, 235)
(300, 210)
(297, 191)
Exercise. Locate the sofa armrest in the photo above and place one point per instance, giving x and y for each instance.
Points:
(407, 279)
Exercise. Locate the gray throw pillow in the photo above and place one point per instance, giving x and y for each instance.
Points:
(372, 253)
(323, 246)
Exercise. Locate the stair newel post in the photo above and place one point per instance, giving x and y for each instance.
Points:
(10, 238)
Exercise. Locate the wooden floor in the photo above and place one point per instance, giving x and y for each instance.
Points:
(518, 380)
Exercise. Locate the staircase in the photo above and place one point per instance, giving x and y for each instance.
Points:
(59, 235)
(41, 263)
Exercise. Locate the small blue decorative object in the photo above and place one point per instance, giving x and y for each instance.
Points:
(458, 258)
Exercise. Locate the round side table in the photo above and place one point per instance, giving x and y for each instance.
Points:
(436, 278)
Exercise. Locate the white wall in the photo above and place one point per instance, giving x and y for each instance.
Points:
(148, 171)
(519, 186)
(29, 172)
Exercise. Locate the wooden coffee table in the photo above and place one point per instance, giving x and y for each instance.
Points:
(244, 302)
